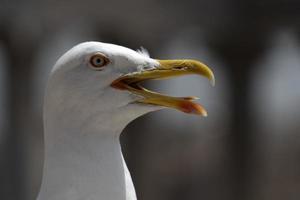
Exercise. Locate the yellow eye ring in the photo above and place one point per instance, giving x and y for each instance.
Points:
(98, 61)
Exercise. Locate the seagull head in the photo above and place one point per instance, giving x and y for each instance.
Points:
(95, 78)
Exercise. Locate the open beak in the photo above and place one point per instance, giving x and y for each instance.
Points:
(166, 69)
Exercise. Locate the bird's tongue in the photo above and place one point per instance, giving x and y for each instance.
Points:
(184, 104)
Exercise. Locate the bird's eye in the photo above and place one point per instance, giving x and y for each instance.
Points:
(98, 61)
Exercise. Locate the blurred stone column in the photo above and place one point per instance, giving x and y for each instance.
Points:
(276, 104)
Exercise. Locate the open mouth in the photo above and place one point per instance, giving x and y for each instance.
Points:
(166, 69)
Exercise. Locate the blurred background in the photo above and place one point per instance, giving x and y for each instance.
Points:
(247, 148)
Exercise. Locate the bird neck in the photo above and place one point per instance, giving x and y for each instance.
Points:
(83, 163)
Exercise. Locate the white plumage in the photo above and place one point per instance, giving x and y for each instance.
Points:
(84, 114)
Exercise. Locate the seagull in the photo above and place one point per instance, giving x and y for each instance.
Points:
(94, 90)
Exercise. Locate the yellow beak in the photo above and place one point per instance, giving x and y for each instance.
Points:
(166, 69)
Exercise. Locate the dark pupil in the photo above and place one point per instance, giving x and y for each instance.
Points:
(98, 61)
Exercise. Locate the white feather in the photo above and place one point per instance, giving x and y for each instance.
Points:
(143, 52)
(83, 118)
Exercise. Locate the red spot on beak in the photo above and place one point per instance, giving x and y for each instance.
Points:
(191, 107)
